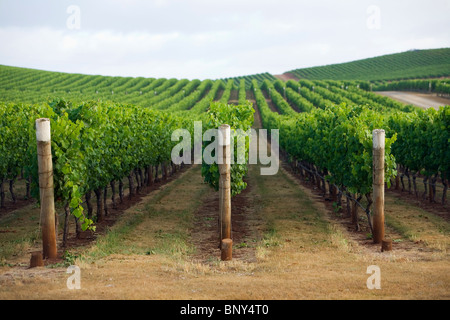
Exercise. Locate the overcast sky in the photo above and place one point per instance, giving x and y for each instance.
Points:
(212, 39)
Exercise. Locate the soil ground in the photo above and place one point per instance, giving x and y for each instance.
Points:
(289, 244)
(286, 76)
(422, 100)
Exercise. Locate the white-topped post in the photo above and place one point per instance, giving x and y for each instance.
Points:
(225, 191)
(378, 184)
(44, 152)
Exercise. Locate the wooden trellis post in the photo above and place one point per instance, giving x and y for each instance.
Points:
(378, 185)
(44, 152)
(225, 192)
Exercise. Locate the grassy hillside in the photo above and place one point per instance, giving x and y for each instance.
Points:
(33, 86)
(431, 63)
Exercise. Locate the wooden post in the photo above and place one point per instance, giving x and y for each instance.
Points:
(44, 152)
(386, 245)
(227, 250)
(378, 185)
(36, 260)
(225, 184)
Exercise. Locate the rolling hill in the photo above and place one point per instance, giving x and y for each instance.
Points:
(433, 63)
(33, 86)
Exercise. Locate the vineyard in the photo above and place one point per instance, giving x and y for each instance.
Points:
(34, 86)
(115, 182)
(407, 65)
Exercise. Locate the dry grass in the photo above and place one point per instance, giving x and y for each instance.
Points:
(418, 225)
(303, 254)
(19, 233)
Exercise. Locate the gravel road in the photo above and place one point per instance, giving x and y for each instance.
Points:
(422, 100)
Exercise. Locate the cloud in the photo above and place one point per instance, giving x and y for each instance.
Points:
(211, 39)
(53, 48)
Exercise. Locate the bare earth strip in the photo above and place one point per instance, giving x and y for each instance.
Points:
(286, 76)
(422, 100)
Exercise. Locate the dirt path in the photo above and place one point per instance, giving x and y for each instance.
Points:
(246, 227)
(234, 97)
(270, 103)
(422, 100)
(219, 95)
(286, 76)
